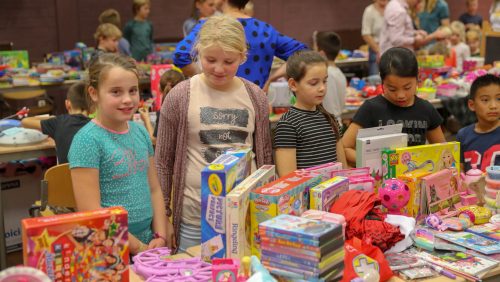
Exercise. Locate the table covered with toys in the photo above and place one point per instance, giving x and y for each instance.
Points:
(403, 213)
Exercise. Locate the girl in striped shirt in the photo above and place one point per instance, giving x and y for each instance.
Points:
(307, 135)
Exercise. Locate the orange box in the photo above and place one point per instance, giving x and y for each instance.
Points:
(82, 246)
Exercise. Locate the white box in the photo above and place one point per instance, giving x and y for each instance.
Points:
(238, 212)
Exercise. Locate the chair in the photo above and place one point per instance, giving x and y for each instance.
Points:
(57, 191)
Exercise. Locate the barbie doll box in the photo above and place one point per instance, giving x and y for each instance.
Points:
(286, 195)
(238, 212)
(325, 194)
(217, 180)
(82, 246)
(326, 170)
(431, 158)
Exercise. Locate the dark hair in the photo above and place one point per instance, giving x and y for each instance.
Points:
(296, 67)
(398, 61)
(328, 42)
(483, 81)
(170, 76)
(110, 16)
(77, 96)
(240, 4)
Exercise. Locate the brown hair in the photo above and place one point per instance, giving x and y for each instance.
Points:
(328, 42)
(170, 76)
(296, 68)
(110, 16)
(77, 96)
(195, 14)
(107, 30)
(137, 4)
(101, 64)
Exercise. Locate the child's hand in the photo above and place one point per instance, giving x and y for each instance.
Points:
(144, 113)
(156, 243)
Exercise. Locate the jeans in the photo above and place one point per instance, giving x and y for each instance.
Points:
(372, 62)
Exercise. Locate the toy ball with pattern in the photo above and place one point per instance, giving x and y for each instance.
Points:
(394, 194)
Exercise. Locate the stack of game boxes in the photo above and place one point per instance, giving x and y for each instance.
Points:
(301, 248)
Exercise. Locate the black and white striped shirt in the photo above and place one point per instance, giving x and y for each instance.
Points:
(310, 133)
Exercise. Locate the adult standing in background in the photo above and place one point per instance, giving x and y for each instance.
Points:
(373, 20)
(263, 40)
(434, 15)
(201, 9)
(398, 29)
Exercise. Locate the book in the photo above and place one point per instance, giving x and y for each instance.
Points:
(326, 248)
(471, 241)
(459, 261)
(488, 230)
(332, 259)
(301, 227)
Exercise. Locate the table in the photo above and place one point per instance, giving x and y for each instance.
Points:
(492, 275)
(10, 153)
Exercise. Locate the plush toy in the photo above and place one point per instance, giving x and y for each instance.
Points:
(435, 222)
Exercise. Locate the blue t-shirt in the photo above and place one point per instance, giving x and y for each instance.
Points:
(465, 18)
(481, 149)
(123, 162)
(264, 43)
(431, 21)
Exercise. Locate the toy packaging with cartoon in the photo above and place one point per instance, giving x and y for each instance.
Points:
(324, 194)
(442, 195)
(82, 246)
(238, 211)
(286, 195)
(431, 158)
(414, 182)
(217, 180)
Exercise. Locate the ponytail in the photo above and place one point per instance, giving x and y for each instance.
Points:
(332, 120)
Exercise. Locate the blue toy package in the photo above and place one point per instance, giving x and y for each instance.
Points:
(217, 180)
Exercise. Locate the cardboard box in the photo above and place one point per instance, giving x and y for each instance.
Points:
(83, 246)
(217, 180)
(414, 182)
(431, 158)
(287, 195)
(325, 194)
(238, 212)
(156, 72)
(19, 193)
(326, 170)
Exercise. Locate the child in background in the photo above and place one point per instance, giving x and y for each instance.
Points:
(398, 104)
(249, 9)
(113, 17)
(206, 115)
(139, 31)
(457, 38)
(111, 158)
(471, 18)
(328, 44)
(307, 135)
(107, 36)
(201, 9)
(480, 142)
(168, 80)
(63, 128)
(473, 39)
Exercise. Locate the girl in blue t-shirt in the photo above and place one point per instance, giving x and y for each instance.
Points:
(111, 158)
(307, 135)
(398, 104)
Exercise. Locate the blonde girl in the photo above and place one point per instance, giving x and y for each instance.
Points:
(204, 116)
(457, 40)
(111, 158)
(307, 135)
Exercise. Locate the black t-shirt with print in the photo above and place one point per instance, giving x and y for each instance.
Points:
(416, 119)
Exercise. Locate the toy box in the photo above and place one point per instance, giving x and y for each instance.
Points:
(15, 59)
(363, 183)
(431, 158)
(82, 246)
(325, 169)
(369, 151)
(441, 193)
(326, 216)
(238, 212)
(414, 182)
(217, 180)
(245, 165)
(156, 72)
(325, 194)
(430, 61)
(286, 195)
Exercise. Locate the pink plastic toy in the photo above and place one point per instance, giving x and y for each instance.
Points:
(435, 222)
(363, 183)
(156, 266)
(394, 194)
(225, 270)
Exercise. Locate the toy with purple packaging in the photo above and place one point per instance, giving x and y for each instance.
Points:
(324, 195)
(394, 194)
(326, 170)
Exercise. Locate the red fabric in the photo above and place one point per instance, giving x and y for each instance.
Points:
(364, 220)
(360, 257)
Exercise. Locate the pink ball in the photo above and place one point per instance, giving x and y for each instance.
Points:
(394, 194)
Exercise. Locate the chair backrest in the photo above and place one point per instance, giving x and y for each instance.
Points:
(59, 186)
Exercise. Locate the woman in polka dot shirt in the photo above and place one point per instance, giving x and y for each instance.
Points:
(263, 40)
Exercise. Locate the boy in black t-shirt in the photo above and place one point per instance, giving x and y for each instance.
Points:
(63, 128)
(398, 104)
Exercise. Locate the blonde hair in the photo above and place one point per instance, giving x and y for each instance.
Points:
(100, 65)
(223, 31)
(459, 29)
(137, 4)
(110, 16)
(107, 30)
(468, 2)
(430, 5)
(473, 34)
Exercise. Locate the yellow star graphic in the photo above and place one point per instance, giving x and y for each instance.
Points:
(43, 242)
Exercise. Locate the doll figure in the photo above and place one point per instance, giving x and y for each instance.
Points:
(446, 160)
(412, 165)
(435, 222)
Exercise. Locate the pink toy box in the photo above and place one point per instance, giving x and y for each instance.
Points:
(326, 170)
(327, 192)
